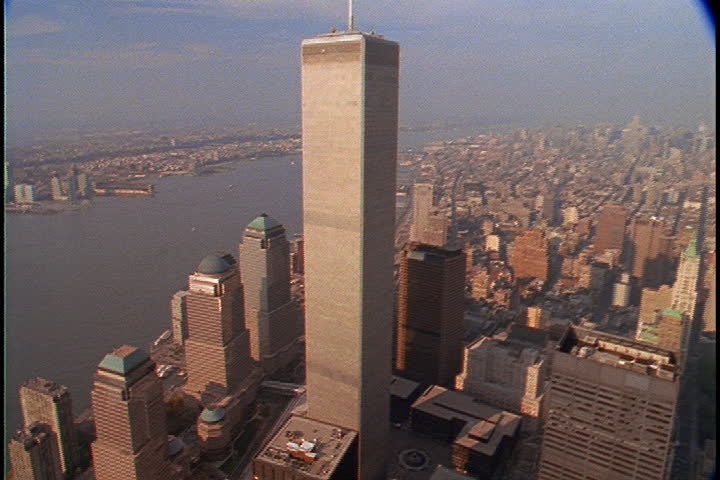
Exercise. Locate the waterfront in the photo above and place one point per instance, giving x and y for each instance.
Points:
(79, 284)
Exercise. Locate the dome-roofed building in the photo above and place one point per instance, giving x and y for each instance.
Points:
(212, 265)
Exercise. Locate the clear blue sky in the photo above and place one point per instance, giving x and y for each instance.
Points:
(179, 62)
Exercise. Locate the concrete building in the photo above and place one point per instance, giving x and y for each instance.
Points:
(621, 291)
(33, 454)
(537, 317)
(217, 351)
(178, 317)
(650, 252)
(44, 401)
(610, 228)
(610, 409)
(127, 402)
(429, 224)
(24, 193)
(685, 288)
(529, 255)
(482, 437)
(430, 314)
(349, 122)
(271, 315)
(306, 449)
(709, 313)
(507, 371)
(653, 300)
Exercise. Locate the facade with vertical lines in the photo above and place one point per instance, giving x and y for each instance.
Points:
(217, 346)
(45, 401)
(610, 409)
(610, 229)
(430, 314)
(127, 401)
(271, 316)
(350, 125)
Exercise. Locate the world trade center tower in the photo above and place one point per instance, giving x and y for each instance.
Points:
(350, 125)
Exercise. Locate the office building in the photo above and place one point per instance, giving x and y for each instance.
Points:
(217, 351)
(610, 228)
(429, 224)
(307, 449)
(178, 317)
(349, 122)
(482, 437)
(33, 454)
(271, 316)
(685, 288)
(298, 264)
(709, 312)
(610, 408)
(44, 401)
(650, 252)
(24, 193)
(507, 371)
(127, 402)
(430, 314)
(653, 300)
(621, 291)
(529, 255)
(537, 317)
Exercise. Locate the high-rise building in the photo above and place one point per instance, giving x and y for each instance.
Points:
(44, 401)
(653, 300)
(621, 291)
(685, 291)
(650, 252)
(508, 370)
(271, 316)
(217, 351)
(610, 228)
(610, 409)
(34, 455)
(430, 314)
(127, 401)
(298, 265)
(529, 255)
(709, 313)
(349, 123)
(178, 317)
(430, 224)
(24, 193)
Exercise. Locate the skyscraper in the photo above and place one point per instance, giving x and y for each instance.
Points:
(650, 251)
(529, 256)
(684, 297)
(44, 401)
(429, 225)
(34, 455)
(430, 314)
(350, 115)
(271, 316)
(611, 404)
(217, 351)
(127, 401)
(610, 229)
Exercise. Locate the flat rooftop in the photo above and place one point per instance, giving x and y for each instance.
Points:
(621, 352)
(310, 446)
(402, 387)
(45, 386)
(485, 426)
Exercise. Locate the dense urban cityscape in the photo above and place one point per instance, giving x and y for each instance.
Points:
(514, 304)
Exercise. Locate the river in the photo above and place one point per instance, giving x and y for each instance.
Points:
(79, 284)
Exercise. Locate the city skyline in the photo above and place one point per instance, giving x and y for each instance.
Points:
(173, 62)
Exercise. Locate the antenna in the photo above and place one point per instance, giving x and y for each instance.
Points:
(351, 20)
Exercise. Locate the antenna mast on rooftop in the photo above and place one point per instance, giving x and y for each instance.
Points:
(351, 19)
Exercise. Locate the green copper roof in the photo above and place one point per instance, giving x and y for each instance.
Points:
(264, 223)
(211, 415)
(213, 264)
(671, 312)
(123, 359)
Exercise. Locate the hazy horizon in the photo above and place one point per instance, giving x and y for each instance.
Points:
(166, 63)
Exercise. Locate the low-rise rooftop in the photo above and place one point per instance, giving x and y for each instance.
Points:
(310, 446)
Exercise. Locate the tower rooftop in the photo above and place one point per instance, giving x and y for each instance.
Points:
(213, 264)
(43, 385)
(123, 359)
(263, 223)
